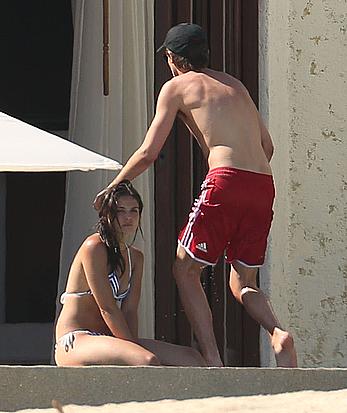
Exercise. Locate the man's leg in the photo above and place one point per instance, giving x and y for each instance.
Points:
(187, 275)
(244, 288)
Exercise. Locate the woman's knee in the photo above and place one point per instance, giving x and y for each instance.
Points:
(148, 359)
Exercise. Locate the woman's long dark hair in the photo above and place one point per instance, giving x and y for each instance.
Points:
(107, 214)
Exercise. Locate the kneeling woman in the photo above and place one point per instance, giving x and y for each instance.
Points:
(98, 321)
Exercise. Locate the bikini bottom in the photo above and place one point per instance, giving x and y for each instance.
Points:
(66, 341)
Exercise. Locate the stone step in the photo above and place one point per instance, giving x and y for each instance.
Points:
(29, 387)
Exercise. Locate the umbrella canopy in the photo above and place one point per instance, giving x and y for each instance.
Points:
(25, 148)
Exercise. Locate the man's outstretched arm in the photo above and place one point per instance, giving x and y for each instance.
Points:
(147, 153)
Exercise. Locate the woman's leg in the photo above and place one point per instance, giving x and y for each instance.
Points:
(173, 354)
(103, 350)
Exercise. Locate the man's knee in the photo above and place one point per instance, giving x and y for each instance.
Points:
(180, 269)
(243, 280)
(240, 292)
(235, 285)
(186, 267)
(236, 290)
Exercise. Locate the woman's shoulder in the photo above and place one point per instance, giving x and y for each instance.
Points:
(136, 253)
(93, 245)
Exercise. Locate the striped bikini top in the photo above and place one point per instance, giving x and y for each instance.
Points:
(114, 283)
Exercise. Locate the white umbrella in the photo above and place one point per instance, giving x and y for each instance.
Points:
(25, 148)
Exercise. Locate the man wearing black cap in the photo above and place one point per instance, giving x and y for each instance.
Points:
(233, 214)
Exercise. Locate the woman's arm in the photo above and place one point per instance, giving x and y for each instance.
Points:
(94, 261)
(131, 303)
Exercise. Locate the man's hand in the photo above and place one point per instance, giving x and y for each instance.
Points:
(100, 197)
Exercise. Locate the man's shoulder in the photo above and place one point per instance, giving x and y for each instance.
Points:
(224, 77)
(169, 86)
(172, 89)
(173, 82)
(179, 83)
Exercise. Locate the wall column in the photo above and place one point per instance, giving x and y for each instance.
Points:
(303, 86)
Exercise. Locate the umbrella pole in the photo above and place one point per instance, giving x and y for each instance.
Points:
(106, 46)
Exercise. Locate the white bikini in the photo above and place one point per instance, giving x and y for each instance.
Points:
(67, 339)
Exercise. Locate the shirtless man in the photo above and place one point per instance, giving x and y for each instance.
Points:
(234, 211)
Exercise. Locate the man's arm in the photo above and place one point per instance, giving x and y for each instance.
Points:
(266, 141)
(147, 153)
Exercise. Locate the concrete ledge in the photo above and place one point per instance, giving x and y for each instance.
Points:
(35, 386)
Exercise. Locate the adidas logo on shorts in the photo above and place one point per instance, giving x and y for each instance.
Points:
(202, 246)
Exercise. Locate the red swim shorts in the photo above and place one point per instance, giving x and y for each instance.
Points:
(232, 214)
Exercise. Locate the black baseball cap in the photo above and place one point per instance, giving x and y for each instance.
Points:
(186, 40)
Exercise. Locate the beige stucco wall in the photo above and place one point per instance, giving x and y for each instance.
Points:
(303, 98)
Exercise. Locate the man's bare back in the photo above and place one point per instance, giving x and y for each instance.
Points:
(219, 112)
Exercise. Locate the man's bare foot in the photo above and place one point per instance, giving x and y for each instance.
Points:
(283, 345)
(213, 362)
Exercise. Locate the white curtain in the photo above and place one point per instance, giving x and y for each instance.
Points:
(113, 126)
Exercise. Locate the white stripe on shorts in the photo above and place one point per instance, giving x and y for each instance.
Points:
(188, 235)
